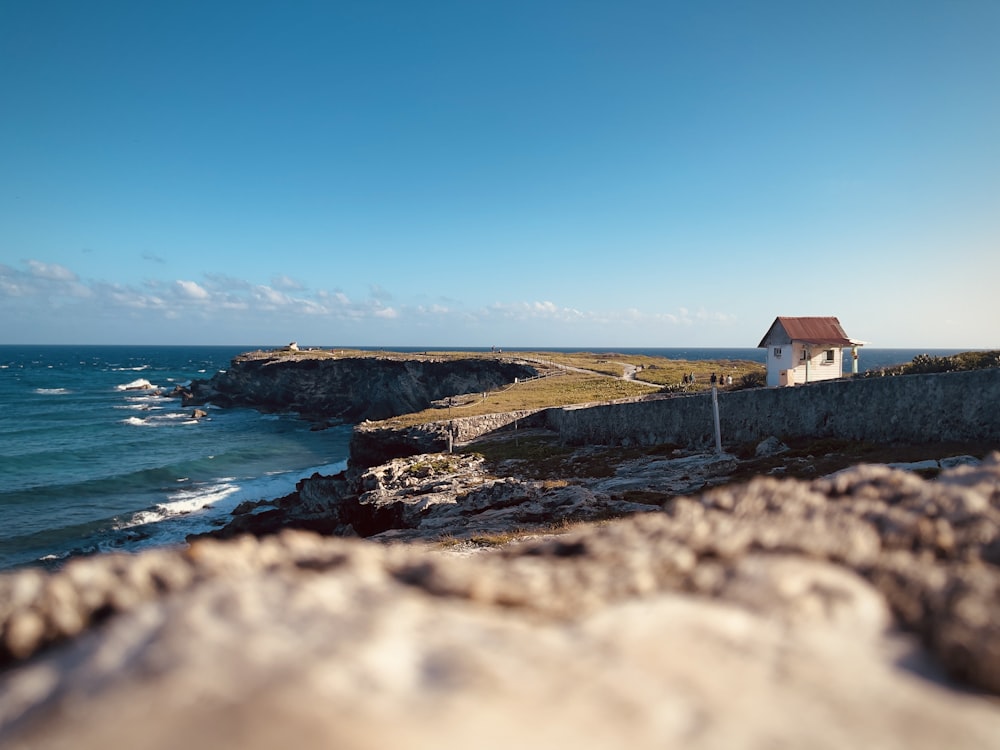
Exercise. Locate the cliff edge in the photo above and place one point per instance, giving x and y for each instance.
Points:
(351, 389)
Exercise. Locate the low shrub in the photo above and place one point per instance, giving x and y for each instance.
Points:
(924, 364)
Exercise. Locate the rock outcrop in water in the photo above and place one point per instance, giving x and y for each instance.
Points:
(351, 389)
(827, 614)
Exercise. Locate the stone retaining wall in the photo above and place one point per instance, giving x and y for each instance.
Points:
(907, 408)
(469, 428)
(373, 445)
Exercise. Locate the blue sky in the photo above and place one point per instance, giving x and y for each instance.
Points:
(478, 173)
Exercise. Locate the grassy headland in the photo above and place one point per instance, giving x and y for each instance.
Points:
(565, 378)
(555, 389)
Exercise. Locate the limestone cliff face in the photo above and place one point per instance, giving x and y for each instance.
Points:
(351, 389)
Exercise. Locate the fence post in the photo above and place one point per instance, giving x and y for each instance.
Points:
(715, 413)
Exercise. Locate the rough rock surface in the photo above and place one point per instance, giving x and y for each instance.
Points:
(351, 389)
(428, 496)
(747, 617)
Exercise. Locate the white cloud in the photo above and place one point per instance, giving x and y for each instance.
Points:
(548, 311)
(377, 292)
(544, 310)
(282, 281)
(10, 285)
(116, 295)
(50, 271)
(49, 280)
(234, 304)
(308, 307)
(269, 296)
(192, 290)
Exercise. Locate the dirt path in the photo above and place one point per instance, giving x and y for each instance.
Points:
(628, 374)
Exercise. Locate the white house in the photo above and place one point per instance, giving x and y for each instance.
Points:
(804, 350)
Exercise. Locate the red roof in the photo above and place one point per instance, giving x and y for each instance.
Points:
(811, 331)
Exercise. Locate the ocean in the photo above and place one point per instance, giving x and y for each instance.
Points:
(91, 463)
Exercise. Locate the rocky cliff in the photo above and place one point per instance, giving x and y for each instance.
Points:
(351, 389)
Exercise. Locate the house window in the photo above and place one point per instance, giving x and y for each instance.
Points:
(804, 356)
(829, 356)
(777, 352)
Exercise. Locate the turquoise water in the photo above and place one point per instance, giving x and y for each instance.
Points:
(88, 465)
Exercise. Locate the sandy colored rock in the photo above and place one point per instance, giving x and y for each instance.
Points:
(859, 610)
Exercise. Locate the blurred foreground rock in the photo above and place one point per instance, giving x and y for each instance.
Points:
(860, 610)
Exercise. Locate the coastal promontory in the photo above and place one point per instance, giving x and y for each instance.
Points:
(351, 387)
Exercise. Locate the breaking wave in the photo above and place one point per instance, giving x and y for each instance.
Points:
(202, 507)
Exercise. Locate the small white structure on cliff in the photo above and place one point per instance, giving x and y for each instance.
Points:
(804, 350)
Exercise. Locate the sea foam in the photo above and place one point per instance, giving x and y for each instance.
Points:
(206, 506)
(140, 384)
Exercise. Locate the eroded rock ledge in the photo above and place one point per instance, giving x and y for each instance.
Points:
(428, 496)
(761, 615)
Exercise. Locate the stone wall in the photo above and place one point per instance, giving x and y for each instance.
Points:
(908, 408)
(469, 428)
(372, 444)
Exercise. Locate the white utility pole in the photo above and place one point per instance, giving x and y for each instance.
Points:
(715, 412)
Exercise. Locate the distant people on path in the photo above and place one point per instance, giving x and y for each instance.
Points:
(714, 380)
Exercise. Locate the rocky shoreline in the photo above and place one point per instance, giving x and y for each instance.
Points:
(522, 592)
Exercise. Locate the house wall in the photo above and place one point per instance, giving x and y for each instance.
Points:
(775, 363)
(790, 367)
(819, 368)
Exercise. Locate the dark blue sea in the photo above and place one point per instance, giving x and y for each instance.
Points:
(89, 463)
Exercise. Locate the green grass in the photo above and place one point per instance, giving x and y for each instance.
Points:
(659, 370)
(606, 364)
(672, 371)
(556, 390)
(431, 467)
